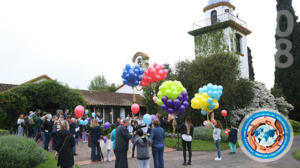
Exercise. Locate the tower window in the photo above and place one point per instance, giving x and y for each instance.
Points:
(238, 43)
(214, 17)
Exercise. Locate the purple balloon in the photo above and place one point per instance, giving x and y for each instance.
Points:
(169, 103)
(104, 139)
(164, 99)
(180, 97)
(176, 103)
(153, 117)
(164, 107)
(106, 125)
(186, 104)
(181, 109)
(171, 110)
(184, 94)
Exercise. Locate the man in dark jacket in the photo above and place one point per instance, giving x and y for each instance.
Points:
(121, 145)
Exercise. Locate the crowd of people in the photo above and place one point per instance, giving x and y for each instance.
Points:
(65, 130)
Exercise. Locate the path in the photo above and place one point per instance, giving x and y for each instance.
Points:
(206, 160)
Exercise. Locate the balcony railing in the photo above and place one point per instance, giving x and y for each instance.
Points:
(220, 18)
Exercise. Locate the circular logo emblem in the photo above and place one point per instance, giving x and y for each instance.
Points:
(265, 135)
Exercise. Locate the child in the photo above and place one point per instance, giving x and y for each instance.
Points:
(83, 130)
(217, 137)
(108, 147)
(142, 144)
(232, 139)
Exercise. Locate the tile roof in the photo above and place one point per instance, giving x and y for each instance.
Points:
(110, 98)
(5, 87)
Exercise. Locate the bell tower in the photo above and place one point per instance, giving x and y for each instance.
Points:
(222, 31)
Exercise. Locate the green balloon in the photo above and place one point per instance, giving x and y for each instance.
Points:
(159, 102)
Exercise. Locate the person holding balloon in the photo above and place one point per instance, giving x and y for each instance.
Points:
(83, 129)
(187, 132)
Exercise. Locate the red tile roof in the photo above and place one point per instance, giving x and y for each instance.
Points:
(110, 98)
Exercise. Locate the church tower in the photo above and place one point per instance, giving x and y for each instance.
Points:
(222, 32)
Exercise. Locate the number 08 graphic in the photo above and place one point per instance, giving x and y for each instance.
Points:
(265, 135)
(289, 30)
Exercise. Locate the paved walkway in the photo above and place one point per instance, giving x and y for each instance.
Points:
(206, 160)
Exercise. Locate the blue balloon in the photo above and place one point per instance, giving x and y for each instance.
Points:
(203, 113)
(132, 75)
(86, 112)
(147, 119)
(93, 114)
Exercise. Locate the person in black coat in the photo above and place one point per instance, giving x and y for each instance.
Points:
(95, 132)
(187, 132)
(121, 145)
(47, 128)
(232, 138)
(64, 144)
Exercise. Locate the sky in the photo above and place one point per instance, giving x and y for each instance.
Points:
(73, 41)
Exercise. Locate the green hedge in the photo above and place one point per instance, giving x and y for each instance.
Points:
(202, 133)
(20, 152)
(4, 132)
(295, 125)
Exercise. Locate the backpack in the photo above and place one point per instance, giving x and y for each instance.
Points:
(31, 121)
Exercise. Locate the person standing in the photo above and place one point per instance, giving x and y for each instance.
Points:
(187, 131)
(162, 121)
(121, 145)
(157, 136)
(21, 125)
(232, 138)
(135, 126)
(142, 143)
(95, 132)
(74, 130)
(83, 130)
(37, 124)
(65, 142)
(47, 128)
(217, 137)
(113, 136)
(108, 147)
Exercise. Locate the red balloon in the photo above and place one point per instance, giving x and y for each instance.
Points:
(72, 120)
(135, 108)
(213, 122)
(79, 111)
(155, 73)
(224, 113)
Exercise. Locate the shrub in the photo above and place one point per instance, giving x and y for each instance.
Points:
(21, 152)
(4, 132)
(202, 133)
(295, 125)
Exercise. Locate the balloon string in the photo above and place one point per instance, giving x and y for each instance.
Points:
(134, 99)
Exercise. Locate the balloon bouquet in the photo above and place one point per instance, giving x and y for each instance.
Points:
(132, 76)
(152, 76)
(173, 98)
(207, 99)
(79, 111)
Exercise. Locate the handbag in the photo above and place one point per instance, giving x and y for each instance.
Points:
(186, 137)
(57, 153)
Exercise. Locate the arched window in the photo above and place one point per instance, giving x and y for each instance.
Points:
(214, 17)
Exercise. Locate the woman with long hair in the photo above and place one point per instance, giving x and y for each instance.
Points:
(64, 145)
(217, 137)
(158, 136)
(21, 125)
(187, 132)
(95, 132)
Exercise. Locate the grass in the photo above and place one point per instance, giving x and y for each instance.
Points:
(197, 145)
(296, 133)
(50, 163)
(296, 154)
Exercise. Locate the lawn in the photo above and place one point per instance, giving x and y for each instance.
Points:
(296, 133)
(197, 145)
(51, 162)
(296, 154)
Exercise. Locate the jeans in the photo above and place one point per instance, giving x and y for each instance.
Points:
(74, 147)
(46, 139)
(189, 145)
(108, 154)
(84, 136)
(121, 160)
(133, 149)
(95, 154)
(218, 147)
(35, 133)
(158, 157)
(43, 138)
(232, 147)
(144, 163)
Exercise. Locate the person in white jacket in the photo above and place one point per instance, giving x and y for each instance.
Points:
(108, 147)
(217, 137)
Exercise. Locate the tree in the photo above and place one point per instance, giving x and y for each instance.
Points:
(287, 80)
(250, 64)
(100, 83)
(47, 95)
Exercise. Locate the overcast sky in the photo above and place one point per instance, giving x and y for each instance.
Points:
(72, 41)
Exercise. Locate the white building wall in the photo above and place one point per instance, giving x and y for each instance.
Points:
(220, 11)
(127, 89)
(244, 66)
